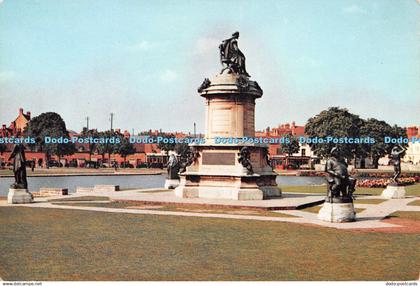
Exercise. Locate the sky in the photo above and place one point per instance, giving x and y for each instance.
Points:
(143, 60)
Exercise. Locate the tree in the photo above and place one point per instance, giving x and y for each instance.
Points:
(377, 130)
(338, 123)
(125, 148)
(50, 124)
(106, 146)
(91, 133)
(181, 148)
(291, 147)
(167, 146)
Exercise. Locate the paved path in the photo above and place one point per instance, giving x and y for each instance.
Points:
(371, 217)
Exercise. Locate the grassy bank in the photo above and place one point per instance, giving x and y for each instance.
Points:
(52, 244)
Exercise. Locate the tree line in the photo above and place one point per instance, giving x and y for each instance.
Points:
(50, 124)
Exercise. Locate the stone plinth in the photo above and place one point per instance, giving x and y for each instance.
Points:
(393, 191)
(84, 189)
(19, 196)
(337, 212)
(106, 188)
(217, 171)
(230, 106)
(45, 192)
(171, 184)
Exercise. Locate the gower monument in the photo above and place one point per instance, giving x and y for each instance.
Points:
(338, 205)
(18, 192)
(233, 168)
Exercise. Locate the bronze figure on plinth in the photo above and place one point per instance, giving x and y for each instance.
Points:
(19, 167)
(395, 157)
(340, 185)
(231, 56)
(173, 167)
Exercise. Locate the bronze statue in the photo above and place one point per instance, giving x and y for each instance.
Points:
(206, 83)
(266, 155)
(245, 160)
(340, 185)
(173, 167)
(188, 157)
(395, 157)
(19, 167)
(231, 56)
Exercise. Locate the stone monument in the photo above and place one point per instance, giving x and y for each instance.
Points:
(395, 190)
(338, 205)
(234, 168)
(18, 191)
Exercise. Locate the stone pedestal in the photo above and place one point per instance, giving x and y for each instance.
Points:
(394, 191)
(19, 196)
(217, 171)
(171, 184)
(337, 212)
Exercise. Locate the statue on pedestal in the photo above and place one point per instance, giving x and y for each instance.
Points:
(18, 192)
(340, 185)
(338, 205)
(231, 56)
(395, 190)
(173, 167)
(395, 157)
(19, 167)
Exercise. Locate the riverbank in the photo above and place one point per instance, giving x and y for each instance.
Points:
(66, 172)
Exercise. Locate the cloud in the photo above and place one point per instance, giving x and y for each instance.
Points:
(7, 75)
(141, 46)
(353, 9)
(205, 45)
(168, 75)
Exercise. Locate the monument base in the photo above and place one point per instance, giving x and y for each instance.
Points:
(228, 187)
(337, 212)
(394, 191)
(19, 196)
(171, 184)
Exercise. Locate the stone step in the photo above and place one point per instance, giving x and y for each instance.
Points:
(46, 192)
(106, 188)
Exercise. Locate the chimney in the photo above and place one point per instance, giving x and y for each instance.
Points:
(4, 126)
(20, 110)
(28, 114)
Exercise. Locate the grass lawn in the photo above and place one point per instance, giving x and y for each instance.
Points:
(406, 215)
(53, 244)
(369, 201)
(83, 198)
(179, 208)
(413, 190)
(415, 203)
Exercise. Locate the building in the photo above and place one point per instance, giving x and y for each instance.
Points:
(304, 158)
(17, 126)
(412, 155)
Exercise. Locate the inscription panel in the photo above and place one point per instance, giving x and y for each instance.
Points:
(218, 158)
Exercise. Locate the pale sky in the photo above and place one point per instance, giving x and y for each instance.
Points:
(143, 60)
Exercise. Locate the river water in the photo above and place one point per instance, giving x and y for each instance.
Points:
(131, 181)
